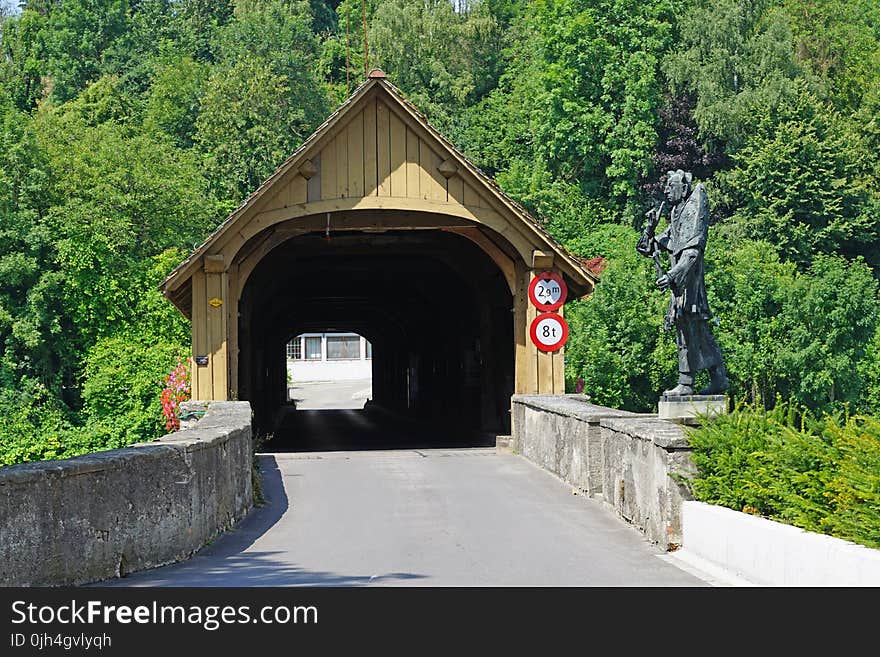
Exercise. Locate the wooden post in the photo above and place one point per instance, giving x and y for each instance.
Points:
(232, 294)
(210, 291)
(526, 353)
(201, 374)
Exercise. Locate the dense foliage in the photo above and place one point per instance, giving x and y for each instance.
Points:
(822, 475)
(128, 130)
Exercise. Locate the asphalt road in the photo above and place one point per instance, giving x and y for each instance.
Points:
(332, 394)
(417, 516)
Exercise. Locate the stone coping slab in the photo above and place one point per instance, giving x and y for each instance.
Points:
(572, 405)
(212, 428)
(693, 398)
(662, 433)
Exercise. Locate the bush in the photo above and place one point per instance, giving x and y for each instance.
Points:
(124, 376)
(35, 427)
(820, 474)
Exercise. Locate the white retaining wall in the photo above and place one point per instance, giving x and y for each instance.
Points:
(768, 553)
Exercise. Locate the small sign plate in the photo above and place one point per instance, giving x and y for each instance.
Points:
(201, 361)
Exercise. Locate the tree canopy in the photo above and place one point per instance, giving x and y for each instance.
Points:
(129, 129)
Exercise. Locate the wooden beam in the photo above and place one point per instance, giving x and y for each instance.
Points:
(542, 259)
(201, 374)
(233, 295)
(483, 216)
(214, 264)
(215, 286)
(559, 366)
(522, 356)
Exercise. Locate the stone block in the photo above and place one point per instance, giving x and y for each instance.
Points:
(689, 408)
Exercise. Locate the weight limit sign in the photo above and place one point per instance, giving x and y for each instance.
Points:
(549, 331)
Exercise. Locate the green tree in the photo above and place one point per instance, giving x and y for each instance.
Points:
(122, 198)
(738, 58)
(829, 318)
(748, 288)
(616, 343)
(869, 371)
(840, 44)
(174, 98)
(805, 183)
(31, 331)
(23, 64)
(77, 36)
(263, 98)
(123, 373)
(442, 59)
(579, 99)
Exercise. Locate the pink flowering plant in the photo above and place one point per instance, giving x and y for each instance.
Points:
(177, 389)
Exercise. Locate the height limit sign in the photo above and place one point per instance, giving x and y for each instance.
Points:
(547, 293)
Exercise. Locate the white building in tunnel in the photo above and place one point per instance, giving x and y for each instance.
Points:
(329, 357)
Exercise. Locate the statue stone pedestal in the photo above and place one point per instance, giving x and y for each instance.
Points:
(687, 409)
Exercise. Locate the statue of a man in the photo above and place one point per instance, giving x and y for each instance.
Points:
(685, 240)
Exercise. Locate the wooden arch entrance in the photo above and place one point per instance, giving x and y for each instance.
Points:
(376, 224)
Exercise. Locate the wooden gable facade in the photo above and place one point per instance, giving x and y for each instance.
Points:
(375, 165)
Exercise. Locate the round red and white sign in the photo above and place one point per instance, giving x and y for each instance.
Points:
(547, 291)
(549, 331)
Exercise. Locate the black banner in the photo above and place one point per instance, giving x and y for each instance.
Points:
(166, 621)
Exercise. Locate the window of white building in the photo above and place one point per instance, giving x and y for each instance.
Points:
(343, 347)
(313, 348)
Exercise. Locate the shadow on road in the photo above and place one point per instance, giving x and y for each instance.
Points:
(251, 569)
(226, 561)
(370, 428)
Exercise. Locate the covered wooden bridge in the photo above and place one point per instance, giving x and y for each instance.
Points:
(379, 226)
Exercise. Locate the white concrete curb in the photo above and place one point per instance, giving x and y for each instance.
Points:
(738, 549)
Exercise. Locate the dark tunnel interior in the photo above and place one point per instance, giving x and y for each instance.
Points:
(435, 307)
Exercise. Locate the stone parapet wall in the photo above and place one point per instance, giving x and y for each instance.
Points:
(561, 433)
(102, 515)
(645, 461)
(633, 463)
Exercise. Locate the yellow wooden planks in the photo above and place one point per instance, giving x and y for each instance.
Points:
(371, 182)
(355, 140)
(201, 375)
(432, 185)
(215, 287)
(383, 149)
(398, 155)
(342, 164)
(296, 191)
(328, 170)
(470, 196)
(455, 188)
(412, 164)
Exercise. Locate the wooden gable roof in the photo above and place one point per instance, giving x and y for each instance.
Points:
(377, 146)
